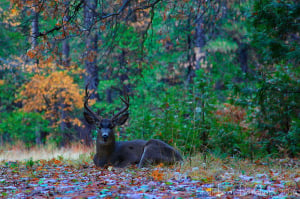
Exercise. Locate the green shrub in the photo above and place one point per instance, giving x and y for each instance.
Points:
(22, 126)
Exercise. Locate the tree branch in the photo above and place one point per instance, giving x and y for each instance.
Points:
(56, 28)
(100, 16)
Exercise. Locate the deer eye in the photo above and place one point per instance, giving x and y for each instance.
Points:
(100, 126)
(98, 129)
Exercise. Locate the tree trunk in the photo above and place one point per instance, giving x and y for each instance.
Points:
(190, 60)
(91, 47)
(92, 71)
(66, 53)
(63, 113)
(34, 26)
(243, 56)
(38, 139)
(196, 61)
(199, 43)
(63, 124)
(123, 76)
(34, 45)
(65, 44)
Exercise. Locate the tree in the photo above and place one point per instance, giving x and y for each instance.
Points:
(92, 77)
(54, 95)
(275, 30)
(66, 60)
(277, 92)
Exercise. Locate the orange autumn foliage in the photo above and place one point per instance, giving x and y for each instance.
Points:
(157, 175)
(52, 94)
(31, 53)
(231, 113)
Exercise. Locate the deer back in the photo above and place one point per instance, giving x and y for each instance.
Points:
(156, 151)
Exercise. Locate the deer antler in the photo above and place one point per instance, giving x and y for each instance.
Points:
(125, 108)
(86, 106)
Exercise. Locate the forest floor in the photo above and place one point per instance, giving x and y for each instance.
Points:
(42, 173)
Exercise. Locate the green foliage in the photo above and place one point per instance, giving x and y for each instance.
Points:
(22, 126)
(275, 103)
(275, 27)
(29, 163)
(181, 116)
(294, 136)
(12, 40)
(7, 97)
(221, 45)
(128, 39)
(10, 48)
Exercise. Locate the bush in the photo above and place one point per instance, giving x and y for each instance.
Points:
(275, 103)
(26, 127)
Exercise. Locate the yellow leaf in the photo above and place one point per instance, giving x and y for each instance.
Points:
(208, 189)
(14, 11)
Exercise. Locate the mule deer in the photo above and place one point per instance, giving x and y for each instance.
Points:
(124, 153)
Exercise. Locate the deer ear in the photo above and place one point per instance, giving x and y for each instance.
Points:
(90, 119)
(121, 119)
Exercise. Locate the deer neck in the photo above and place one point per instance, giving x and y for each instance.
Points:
(106, 149)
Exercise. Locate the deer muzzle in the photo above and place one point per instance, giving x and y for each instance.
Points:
(105, 134)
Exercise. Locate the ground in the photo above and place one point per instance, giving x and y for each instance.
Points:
(60, 177)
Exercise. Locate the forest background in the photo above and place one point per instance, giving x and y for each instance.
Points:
(215, 76)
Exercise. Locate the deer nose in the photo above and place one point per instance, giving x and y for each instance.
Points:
(105, 137)
(105, 133)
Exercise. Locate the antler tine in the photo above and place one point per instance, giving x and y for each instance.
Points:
(124, 109)
(86, 106)
(126, 100)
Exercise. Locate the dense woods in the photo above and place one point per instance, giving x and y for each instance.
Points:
(204, 76)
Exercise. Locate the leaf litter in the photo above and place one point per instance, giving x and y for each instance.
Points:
(56, 178)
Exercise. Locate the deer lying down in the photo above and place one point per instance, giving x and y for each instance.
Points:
(124, 153)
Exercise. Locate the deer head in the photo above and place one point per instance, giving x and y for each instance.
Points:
(105, 126)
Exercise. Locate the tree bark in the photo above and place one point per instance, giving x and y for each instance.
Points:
(34, 45)
(92, 71)
(198, 59)
(243, 56)
(65, 44)
(199, 42)
(66, 53)
(92, 77)
(190, 60)
(34, 26)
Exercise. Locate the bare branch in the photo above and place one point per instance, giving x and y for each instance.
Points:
(100, 16)
(56, 28)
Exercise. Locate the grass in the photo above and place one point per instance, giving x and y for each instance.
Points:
(18, 152)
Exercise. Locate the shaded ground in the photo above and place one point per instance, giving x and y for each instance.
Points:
(60, 179)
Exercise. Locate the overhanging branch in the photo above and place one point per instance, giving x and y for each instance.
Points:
(56, 28)
(100, 16)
